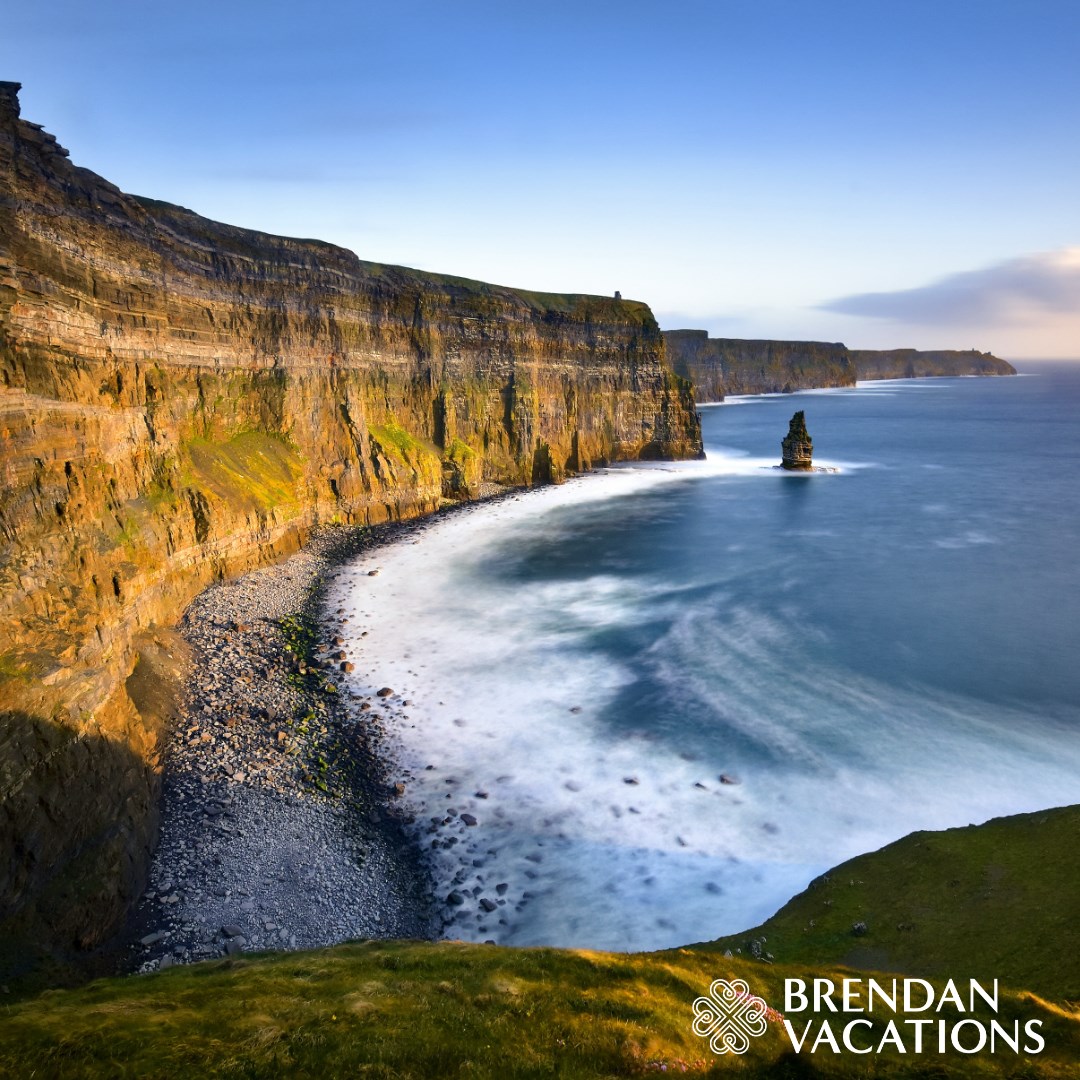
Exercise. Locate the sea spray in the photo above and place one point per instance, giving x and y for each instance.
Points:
(584, 663)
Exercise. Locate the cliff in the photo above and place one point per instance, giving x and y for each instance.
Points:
(719, 366)
(180, 400)
(914, 364)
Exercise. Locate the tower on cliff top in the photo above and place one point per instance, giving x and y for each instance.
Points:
(797, 446)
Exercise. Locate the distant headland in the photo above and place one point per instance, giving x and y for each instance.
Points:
(720, 366)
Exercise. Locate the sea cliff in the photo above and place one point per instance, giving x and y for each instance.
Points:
(182, 399)
(719, 366)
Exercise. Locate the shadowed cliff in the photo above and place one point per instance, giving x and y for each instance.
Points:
(719, 366)
(181, 399)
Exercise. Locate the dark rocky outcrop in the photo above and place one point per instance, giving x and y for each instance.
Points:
(798, 449)
(180, 400)
(719, 366)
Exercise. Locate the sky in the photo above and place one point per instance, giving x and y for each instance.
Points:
(882, 173)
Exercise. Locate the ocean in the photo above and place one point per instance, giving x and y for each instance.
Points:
(670, 695)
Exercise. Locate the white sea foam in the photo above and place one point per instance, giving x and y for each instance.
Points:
(606, 819)
(970, 538)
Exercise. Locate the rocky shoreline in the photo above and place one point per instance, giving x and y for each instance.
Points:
(279, 828)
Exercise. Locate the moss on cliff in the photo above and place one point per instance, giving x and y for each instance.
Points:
(462, 470)
(256, 469)
(394, 439)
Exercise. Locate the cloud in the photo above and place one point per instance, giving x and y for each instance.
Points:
(1018, 291)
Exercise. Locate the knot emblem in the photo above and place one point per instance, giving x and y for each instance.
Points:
(729, 1017)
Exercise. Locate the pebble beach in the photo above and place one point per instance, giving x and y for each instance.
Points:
(280, 823)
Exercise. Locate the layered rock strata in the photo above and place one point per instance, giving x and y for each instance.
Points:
(923, 364)
(797, 447)
(719, 366)
(180, 400)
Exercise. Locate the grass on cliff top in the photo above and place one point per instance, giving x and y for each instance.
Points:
(998, 900)
(254, 468)
(409, 1009)
(256, 244)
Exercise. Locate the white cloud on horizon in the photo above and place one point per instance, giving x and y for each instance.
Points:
(1026, 307)
(1027, 290)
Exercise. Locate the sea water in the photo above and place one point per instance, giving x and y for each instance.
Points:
(886, 646)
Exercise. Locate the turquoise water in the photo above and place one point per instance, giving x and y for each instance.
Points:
(867, 651)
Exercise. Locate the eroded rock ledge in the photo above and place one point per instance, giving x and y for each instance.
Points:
(180, 400)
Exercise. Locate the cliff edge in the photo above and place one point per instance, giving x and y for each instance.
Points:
(180, 400)
(719, 366)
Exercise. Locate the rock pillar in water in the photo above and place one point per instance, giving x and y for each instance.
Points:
(798, 448)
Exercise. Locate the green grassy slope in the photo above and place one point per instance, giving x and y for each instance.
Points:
(402, 1009)
(999, 900)
(994, 901)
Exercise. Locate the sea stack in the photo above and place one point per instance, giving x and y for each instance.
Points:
(798, 448)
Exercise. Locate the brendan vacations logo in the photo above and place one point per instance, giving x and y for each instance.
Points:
(867, 1016)
(729, 1017)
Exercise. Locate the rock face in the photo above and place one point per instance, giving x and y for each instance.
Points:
(916, 364)
(180, 400)
(797, 446)
(719, 366)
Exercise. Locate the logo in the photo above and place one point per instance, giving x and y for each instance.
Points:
(729, 1016)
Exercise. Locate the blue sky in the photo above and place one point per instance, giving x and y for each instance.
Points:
(874, 172)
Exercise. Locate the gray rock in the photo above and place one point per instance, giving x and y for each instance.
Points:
(231, 930)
